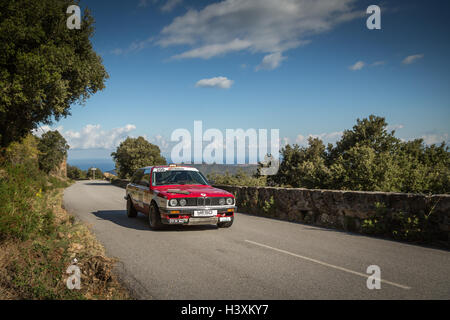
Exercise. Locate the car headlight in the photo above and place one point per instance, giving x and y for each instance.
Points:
(183, 202)
(173, 202)
(229, 201)
(221, 201)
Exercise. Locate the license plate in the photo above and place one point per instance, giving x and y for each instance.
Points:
(205, 213)
(223, 219)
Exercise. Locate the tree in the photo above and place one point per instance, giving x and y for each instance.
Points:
(98, 174)
(24, 151)
(369, 158)
(303, 166)
(52, 150)
(371, 132)
(75, 173)
(44, 66)
(135, 153)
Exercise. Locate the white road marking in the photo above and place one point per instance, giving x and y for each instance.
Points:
(328, 265)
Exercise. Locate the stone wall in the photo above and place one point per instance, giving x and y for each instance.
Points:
(345, 210)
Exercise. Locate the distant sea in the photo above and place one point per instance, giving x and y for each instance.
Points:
(84, 164)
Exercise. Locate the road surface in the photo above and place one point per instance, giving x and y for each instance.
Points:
(257, 258)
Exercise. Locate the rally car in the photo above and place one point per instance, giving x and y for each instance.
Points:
(178, 195)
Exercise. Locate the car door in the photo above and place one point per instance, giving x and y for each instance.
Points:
(145, 190)
(134, 188)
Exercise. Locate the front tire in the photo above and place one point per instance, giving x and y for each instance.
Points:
(131, 210)
(154, 218)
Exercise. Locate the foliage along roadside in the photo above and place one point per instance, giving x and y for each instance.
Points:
(39, 240)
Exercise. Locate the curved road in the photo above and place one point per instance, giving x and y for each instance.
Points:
(257, 258)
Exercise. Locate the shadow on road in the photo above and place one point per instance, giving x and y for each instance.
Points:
(99, 183)
(120, 218)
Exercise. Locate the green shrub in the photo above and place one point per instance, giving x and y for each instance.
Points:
(52, 150)
(366, 158)
(417, 227)
(268, 206)
(75, 173)
(239, 179)
(23, 190)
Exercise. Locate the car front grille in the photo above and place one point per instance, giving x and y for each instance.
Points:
(203, 201)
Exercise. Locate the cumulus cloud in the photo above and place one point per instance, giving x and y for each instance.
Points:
(143, 3)
(212, 50)
(163, 143)
(271, 61)
(412, 59)
(133, 47)
(394, 127)
(93, 136)
(378, 63)
(170, 5)
(39, 131)
(435, 138)
(326, 137)
(257, 26)
(216, 82)
(357, 66)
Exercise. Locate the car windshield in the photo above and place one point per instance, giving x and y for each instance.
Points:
(177, 177)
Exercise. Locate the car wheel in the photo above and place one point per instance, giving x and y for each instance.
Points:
(225, 224)
(154, 218)
(131, 210)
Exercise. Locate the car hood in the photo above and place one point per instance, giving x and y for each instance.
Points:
(180, 191)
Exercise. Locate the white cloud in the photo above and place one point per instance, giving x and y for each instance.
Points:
(133, 47)
(43, 129)
(326, 137)
(357, 66)
(161, 142)
(170, 5)
(271, 61)
(258, 26)
(212, 50)
(92, 136)
(217, 82)
(378, 63)
(412, 59)
(435, 138)
(143, 3)
(394, 127)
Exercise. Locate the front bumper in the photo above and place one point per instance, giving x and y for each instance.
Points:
(186, 215)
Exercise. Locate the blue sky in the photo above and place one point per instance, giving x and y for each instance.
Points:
(304, 67)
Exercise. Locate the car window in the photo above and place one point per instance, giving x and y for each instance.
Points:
(178, 177)
(145, 180)
(137, 176)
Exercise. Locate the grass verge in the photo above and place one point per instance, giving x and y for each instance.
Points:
(39, 240)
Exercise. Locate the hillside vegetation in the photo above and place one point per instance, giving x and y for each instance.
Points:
(367, 157)
(38, 239)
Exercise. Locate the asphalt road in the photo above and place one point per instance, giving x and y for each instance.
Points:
(257, 258)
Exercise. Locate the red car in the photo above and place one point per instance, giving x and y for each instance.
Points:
(172, 194)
